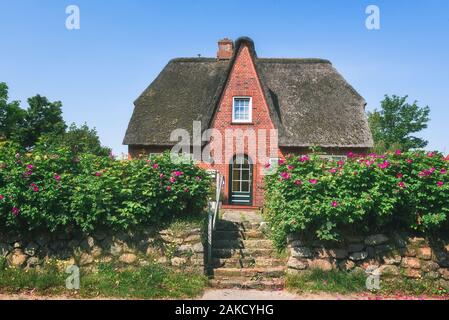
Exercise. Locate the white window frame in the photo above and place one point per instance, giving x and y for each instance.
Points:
(154, 155)
(334, 157)
(250, 111)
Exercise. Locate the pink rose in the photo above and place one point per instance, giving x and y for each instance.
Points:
(440, 184)
(384, 165)
(304, 159)
(57, 177)
(168, 188)
(443, 171)
(285, 175)
(1, 197)
(15, 211)
(401, 184)
(313, 181)
(334, 204)
(398, 152)
(178, 173)
(298, 182)
(155, 166)
(172, 180)
(399, 175)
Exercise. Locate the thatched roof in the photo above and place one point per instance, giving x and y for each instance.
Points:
(309, 101)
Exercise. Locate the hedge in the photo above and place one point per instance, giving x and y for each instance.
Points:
(322, 197)
(59, 191)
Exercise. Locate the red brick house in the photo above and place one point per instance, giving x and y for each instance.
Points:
(306, 101)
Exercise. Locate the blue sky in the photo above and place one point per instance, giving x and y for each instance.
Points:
(99, 70)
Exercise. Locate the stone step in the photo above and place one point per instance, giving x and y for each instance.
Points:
(253, 273)
(225, 225)
(242, 253)
(243, 244)
(247, 262)
(230, 235)
(237, 283)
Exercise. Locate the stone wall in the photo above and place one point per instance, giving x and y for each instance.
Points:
(392, 255)
(183, 249)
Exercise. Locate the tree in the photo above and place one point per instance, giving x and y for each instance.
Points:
(42, 118)
(12, 117)
(41, 125)
(392, 126)
(79, 139)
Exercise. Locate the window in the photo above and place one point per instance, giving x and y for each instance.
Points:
(242, 109)
(153, 155)
(334, 157)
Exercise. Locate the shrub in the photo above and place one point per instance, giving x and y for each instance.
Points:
(57, 191)
(323, 197)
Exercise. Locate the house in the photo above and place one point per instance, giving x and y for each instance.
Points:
(306, 102)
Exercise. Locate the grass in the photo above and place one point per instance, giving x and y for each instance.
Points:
(327, 281)
(148, 282)
(342, 282)
(13, 280)
(408, 286)
(191, 221)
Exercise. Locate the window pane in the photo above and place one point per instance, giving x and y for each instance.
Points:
(245, 186)
(245, 175)
(236, 174)
(235, 185)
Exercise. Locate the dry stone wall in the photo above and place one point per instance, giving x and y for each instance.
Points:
(392, 255)
(183, 249)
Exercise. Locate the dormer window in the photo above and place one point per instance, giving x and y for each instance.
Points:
(242, 110)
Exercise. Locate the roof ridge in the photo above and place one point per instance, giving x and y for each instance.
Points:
(194, 59)
(274, 60)
(300, 60)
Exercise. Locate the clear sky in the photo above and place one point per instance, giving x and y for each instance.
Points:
(99, 70)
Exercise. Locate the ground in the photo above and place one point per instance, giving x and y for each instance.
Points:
(236, 294)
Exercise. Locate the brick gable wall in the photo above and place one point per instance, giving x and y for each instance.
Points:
(243, 81)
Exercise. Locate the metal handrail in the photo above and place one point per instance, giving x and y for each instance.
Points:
(213, 209)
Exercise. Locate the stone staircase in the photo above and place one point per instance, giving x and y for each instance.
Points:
(243, 257)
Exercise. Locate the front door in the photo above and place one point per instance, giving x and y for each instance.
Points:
(241, 177)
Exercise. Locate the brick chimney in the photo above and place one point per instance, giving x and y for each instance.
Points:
(225, 49)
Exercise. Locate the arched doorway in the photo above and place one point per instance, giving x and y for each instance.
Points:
(241, 181)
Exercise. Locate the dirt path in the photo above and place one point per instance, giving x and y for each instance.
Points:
(236, 294)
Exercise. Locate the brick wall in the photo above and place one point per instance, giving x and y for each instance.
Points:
(243, 81)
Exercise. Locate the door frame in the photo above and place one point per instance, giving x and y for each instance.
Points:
(251, 174)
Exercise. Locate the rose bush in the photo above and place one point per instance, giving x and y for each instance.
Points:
(57, 190)
(365, 193)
